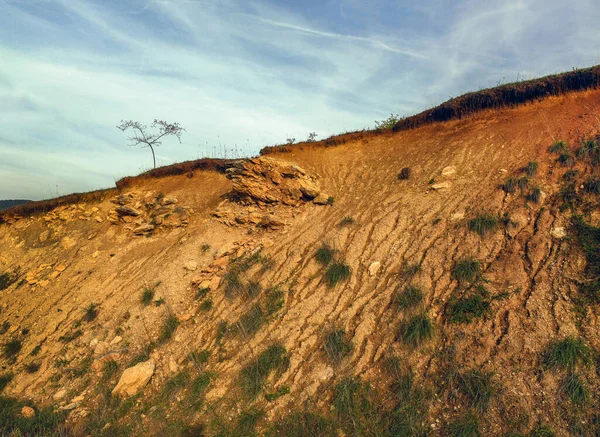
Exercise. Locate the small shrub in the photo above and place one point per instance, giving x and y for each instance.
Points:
(91, 312)
(531, 168)
(330, 200)
(4, 327)
(416, 330)
(570, 175)
(483, 223)
(251, 321)
(558, 147)
(542, 431)
(254, 375)
(590, 152)
(6, 280)
(109, 369)
(467, 270)
(222, 330)
(168, 329)
(70, 336)
(389, 122)
(336, 347)
(523, 182)
(567, 353)
(573, 387)
(174, 385)
(199, 357)
(335, 273)
(566, 159)
(466, 308)
(205, 248)
(409, 271)
(32, 367)
(11, 348)
(592, 186)
(275, 300)
(281, 391)
(202, 293)
(346, 221)
(410, 297)
(509, 185)
(253, 289)
(36, 350)
(324, 255)
(431, 181)
(404, 174)
(357, 414)
(147, 296)
(465, 426)
(535, 196)
(206, 305)
(197, 389)
(233, 284)
(478, 388)
(5, 379)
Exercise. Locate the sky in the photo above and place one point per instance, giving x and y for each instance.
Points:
(241, 75)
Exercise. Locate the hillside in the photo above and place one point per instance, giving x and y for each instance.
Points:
(322, 290)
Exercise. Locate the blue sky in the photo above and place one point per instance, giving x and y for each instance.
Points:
(245, 74)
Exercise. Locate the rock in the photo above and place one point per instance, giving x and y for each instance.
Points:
(77, 399)
(558, 232)
(27, 412)
(321, 199)
(449, 171)
(190, 266)
(374, 268)
(116, 340)
(43, 237)
(68, 242)
(442, 185)
(59, 394)
(60, 268)
(101, 348)
(169, 201)
(125, 210)
(98, 219)
(143, 229)
(309, 189)
(173, 367)
(134, 379)
(98, 363)
(457, 216)
(184, 317)
(268, 221)
(44, 283)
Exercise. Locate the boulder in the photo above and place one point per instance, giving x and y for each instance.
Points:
(134, 379)
(143, 229)
(321, 199)
(27, 412)
(442, 185)
(374, 268)
(125, 210)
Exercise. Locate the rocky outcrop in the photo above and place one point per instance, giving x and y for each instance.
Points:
(134, 379)
(270, 181)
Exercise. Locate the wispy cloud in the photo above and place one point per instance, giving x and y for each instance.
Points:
(244, 75)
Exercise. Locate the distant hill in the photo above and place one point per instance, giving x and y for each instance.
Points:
(12, 202)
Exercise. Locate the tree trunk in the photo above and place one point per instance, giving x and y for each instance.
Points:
(153, 157)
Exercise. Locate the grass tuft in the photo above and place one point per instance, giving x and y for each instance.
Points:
(592, 186)
(302, 424)
(336, 346)
(410, 297)
(467, 270)
(32, 367)
(91, 312)
(483, 223)
(566, 159)
(404, 174)
(5, 379)
(478, 388)
(11, 348)
(416, 330)
(324, 255)
(6, 280)
(573, 387)
(531, 168)
(253, 377)
(335, 273)
(168, 329)
(465, 426)
(346, 221)
(109, 369)
(558, 147)
(509, 185)
(535, 196)
(567, 353)
(206, 305)
(468, 307)
(251, 321)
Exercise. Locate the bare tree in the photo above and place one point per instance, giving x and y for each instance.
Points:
(142, 137)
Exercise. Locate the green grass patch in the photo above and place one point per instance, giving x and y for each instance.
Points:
(168, 329)
(109, 369)
(589, 152)
(558, 147)
(253, 289)
(233, 284)
(483, 224)
(281, 391)
(206, 305)
(464, 426)
(509, 185)
(346, 221)
(202, 293)
(336, 273)
(467, 270)
(416, 330)
(251, 321)
(531, 168)
(567, 354)
(5, 379)
(32, 367)
(148, 294)
(336, 346)
(275, 300)
(198, 388)
(302, 424)
(324, 255)
(199, 358)
(253, 377)
(410, 297)
(478, 388)
(7, 279)
(355, 409)
(541, 431)
(535, 195)
(90, 313)
(11, 348)
(592, 186)
(566, 159)
(46, 422)
(466, 308)
(573, 387)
